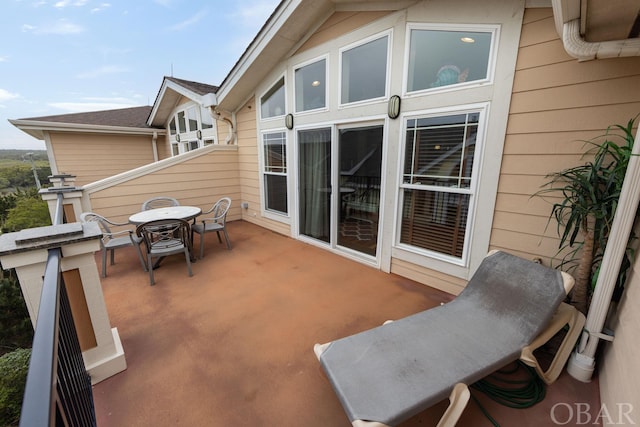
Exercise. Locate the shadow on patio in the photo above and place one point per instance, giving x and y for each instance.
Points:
(233, 345)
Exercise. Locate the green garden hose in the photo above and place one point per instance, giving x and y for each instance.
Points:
(503, 388)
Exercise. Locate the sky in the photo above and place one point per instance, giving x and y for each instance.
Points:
(69, 56)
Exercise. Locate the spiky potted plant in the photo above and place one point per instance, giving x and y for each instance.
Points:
(588, 197)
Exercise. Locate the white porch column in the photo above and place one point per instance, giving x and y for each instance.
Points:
(27, 251)
(72, 197)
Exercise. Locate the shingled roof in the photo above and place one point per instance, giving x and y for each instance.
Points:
(199, 88)
(134, 117)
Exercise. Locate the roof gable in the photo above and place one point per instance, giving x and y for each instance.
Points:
(288, 28)
(172, 90)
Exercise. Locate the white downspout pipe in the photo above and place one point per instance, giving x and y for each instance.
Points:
(154, 146)
(568, 14)
(582, 362)
(231, 138)
(577, 47)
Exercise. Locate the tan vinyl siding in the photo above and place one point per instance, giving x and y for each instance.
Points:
(433, 278)
(198, 181)
(248, 161)
(94, 157)
(557, 104)
(249, 170)
(338, 24)
(619, 375)
(164, 147)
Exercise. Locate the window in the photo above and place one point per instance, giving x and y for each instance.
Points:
(275, 171)
(440, 58)
(191, 128)
(182, 125)
(272, 103)
(193, 119)
(437, 186)
(364, 71)
(311, 86)
(207, 120)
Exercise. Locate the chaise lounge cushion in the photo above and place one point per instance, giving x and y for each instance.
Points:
(392, 372)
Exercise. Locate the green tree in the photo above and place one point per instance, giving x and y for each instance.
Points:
(14, 367)
(29, 212)
(7, 202)
(16, 330)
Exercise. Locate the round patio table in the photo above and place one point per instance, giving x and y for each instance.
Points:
(171, 212)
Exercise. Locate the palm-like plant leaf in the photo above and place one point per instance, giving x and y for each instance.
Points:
(589, 196)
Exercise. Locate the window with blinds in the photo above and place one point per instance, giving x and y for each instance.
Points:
(275, 171)
(437, 183)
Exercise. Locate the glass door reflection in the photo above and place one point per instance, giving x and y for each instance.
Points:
(360, 160)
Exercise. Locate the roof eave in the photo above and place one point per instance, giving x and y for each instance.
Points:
(229, 94)
(37, 128)
(157, 119)
(283, 32)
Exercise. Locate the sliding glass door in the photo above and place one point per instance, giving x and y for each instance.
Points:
(314, 181)
(360, 157)
(339, 199)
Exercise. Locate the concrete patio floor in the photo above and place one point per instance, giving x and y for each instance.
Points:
(233, 345)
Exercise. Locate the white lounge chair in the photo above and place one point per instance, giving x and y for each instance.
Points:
(510, 307)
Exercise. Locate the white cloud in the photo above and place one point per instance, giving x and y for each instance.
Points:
(101, 71)
(189, 22)
(4, 58)
(65, 3)
(101, 7)
(5, 95)
(61, 27)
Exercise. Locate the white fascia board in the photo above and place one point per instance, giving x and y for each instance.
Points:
(158, 101)
(37, 127)
(266, 34)
(373, 5)
(206, 100)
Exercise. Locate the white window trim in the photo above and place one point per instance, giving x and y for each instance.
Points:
(184, 140)
(448, 264)
(266, 213)
(491, 63)
(286, 106)
(387, 33)
(327, 91)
